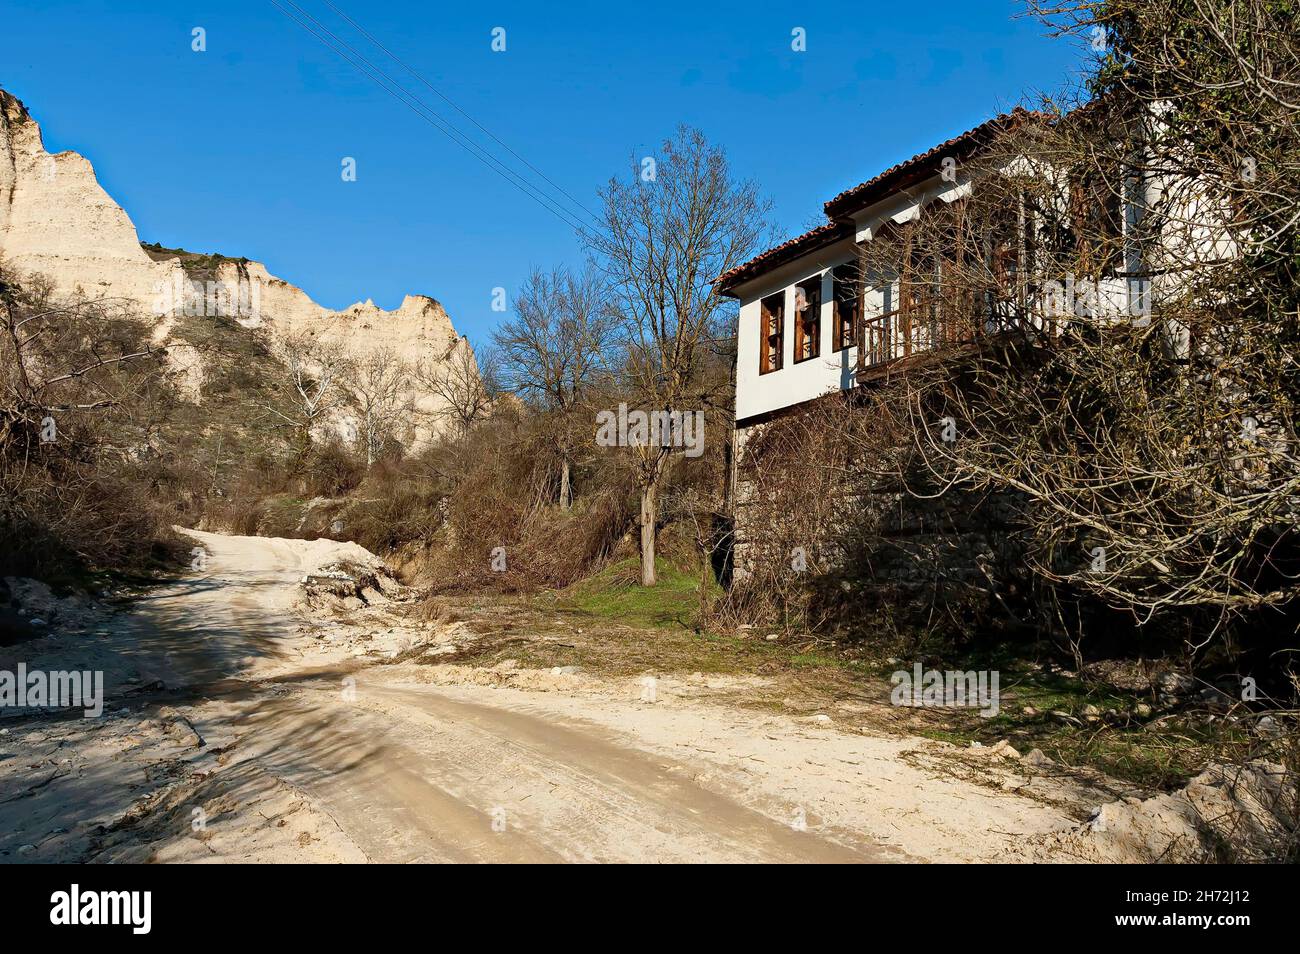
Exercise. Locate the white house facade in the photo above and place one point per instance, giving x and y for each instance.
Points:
(812, 323)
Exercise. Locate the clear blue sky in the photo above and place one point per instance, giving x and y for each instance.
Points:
(238, 149)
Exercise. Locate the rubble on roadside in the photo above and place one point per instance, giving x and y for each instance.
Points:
(1228, 813)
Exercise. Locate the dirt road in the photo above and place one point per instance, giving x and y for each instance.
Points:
(270, 744)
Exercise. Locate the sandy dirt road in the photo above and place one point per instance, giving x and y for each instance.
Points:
(274, 747)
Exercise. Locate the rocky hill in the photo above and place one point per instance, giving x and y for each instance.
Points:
(56, 220)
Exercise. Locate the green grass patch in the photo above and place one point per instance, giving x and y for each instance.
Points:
(615, 593)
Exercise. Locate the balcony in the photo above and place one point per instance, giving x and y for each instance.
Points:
(888, 342)
(892, 338)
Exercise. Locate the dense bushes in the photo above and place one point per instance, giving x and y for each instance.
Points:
(883, 544)
(83, 404)
(478, 510)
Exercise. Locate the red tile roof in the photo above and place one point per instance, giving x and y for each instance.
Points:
(785, 252)
(970, 141)
(897, 177)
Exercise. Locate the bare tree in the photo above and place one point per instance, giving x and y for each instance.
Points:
(664, 238)
(463, 385)
(49, 364)
(83, 400)
(377, 390)
(557, 350)
(313, 389)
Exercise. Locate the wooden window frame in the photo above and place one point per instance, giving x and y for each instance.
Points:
(771, 332)
(846, 295)
(808, 325)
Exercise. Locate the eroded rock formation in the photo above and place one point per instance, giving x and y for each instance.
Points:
(56, 219)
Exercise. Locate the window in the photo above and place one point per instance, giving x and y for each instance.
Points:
(1097, 210)
(772, 328)
(808, 319)
(847, 294)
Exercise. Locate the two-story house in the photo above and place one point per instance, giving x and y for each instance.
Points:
(815, 318)
(810, 321)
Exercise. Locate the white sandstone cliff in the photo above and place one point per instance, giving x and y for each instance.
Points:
(56, 219)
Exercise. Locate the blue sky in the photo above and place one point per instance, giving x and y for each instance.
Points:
(238, 149)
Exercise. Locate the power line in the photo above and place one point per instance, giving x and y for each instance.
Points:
(424, 112)
(362, 30)
(363, 65)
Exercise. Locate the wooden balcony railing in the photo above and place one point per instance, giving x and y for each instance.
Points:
(875, 343)
(895, 335)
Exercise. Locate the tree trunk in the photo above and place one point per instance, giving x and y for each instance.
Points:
(566, 491)
(649, 490)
